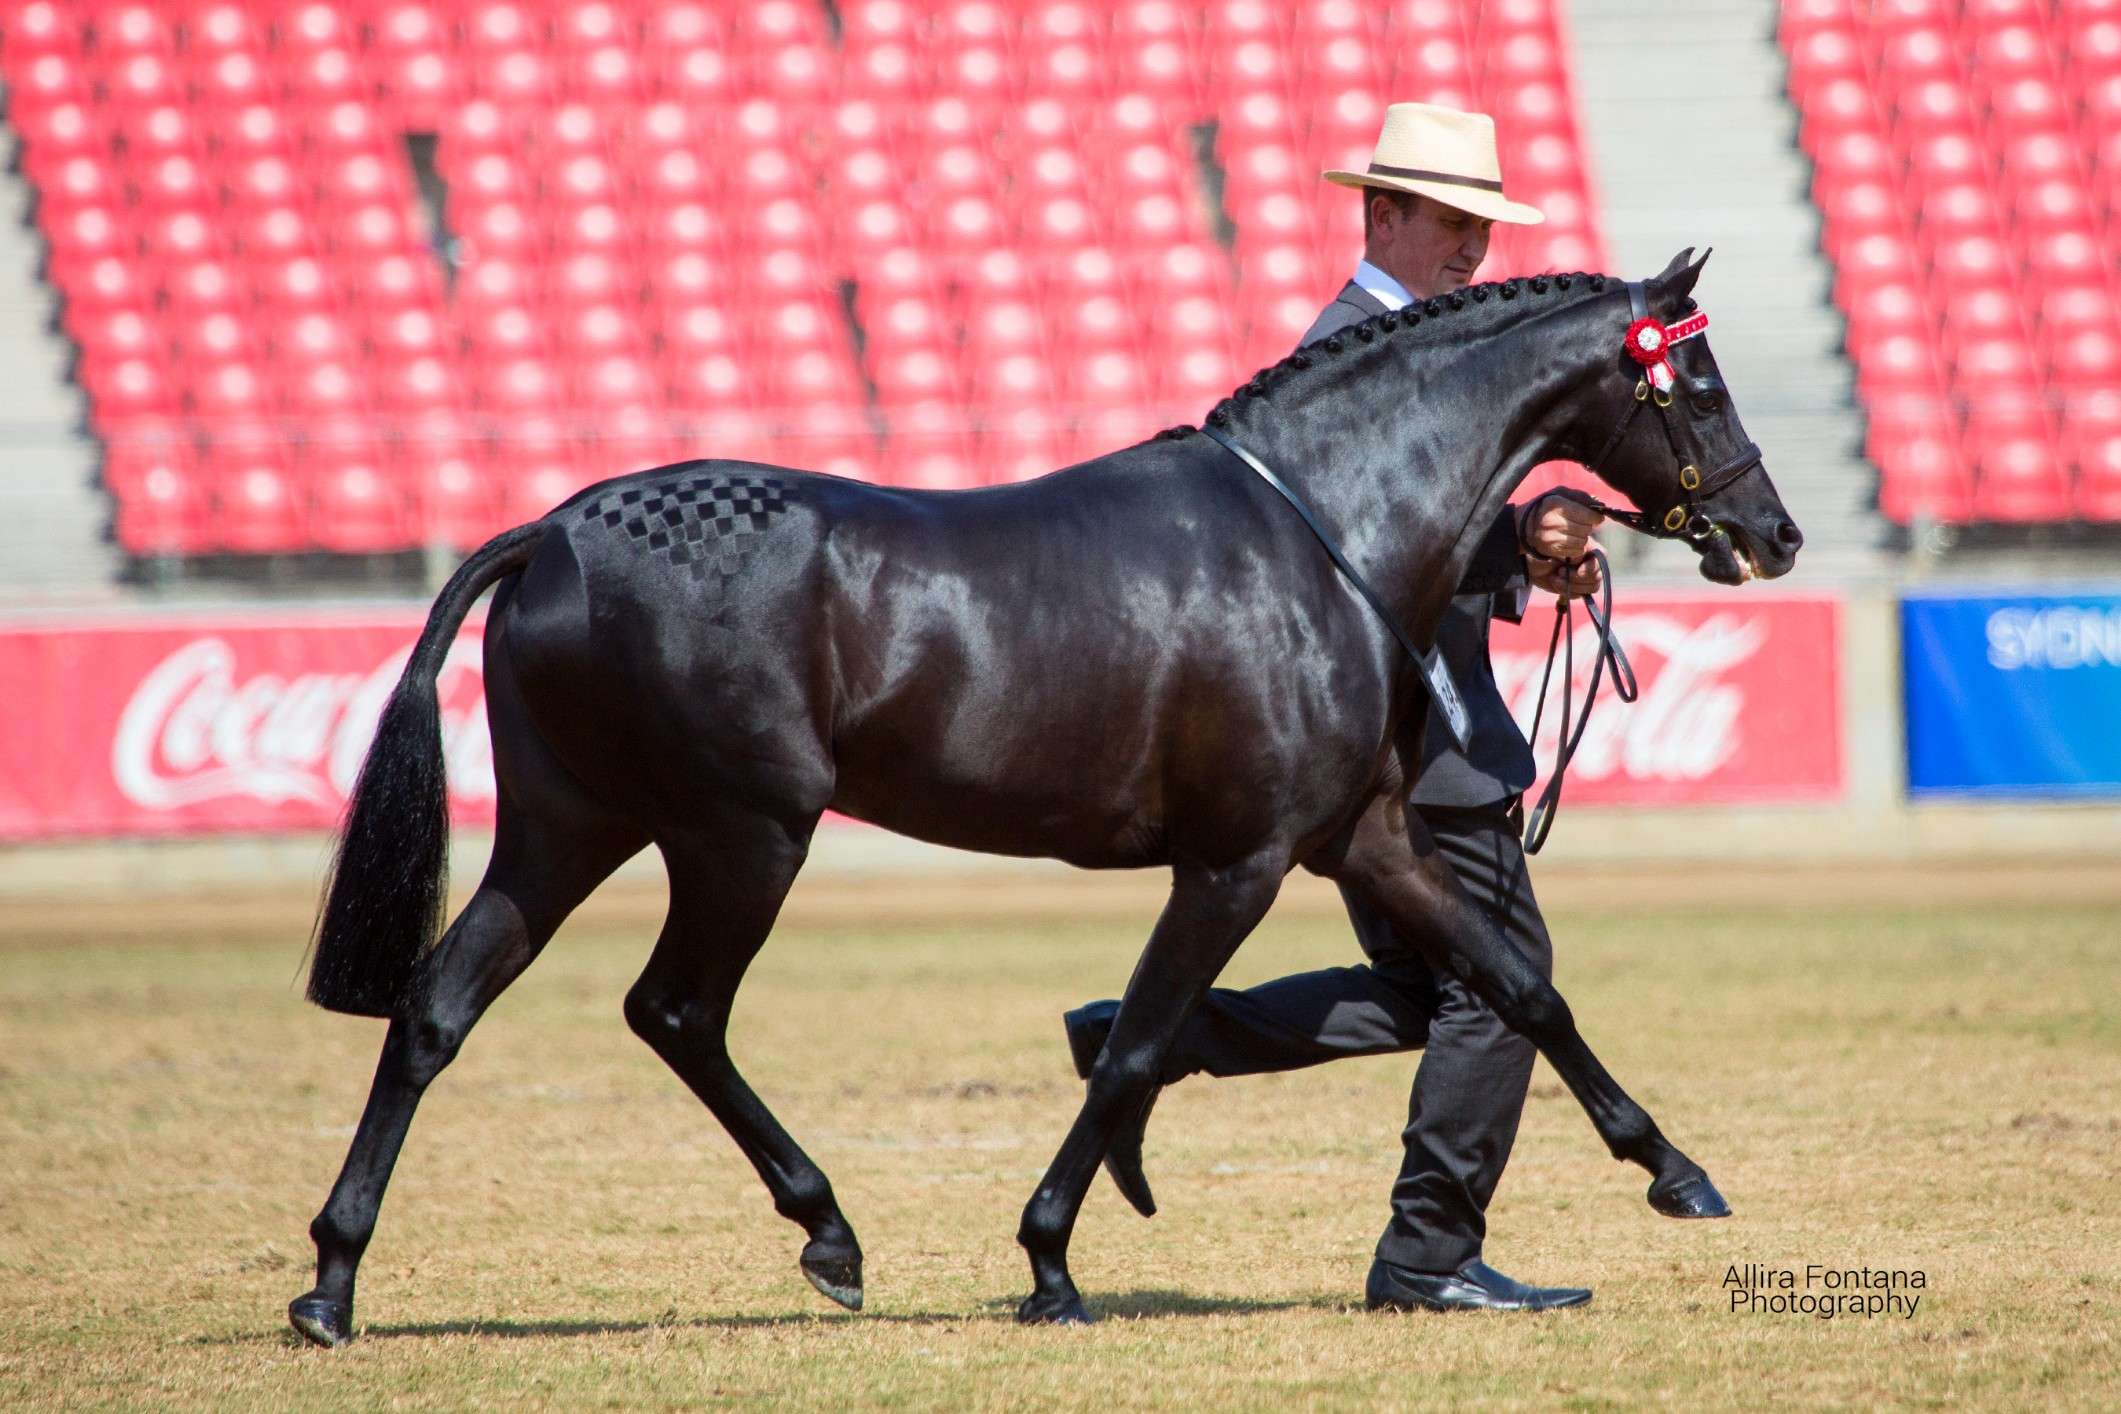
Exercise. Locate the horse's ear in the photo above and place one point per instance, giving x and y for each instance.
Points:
(1676, 281)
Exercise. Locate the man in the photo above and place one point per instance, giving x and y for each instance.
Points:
(1431, 195)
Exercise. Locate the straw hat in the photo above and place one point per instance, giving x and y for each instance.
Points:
(1444, 154)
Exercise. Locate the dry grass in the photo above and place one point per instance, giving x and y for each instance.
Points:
(1876, 1085)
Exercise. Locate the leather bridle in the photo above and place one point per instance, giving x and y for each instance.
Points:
(1686, 519)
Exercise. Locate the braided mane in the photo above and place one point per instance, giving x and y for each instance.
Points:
(1491, 297)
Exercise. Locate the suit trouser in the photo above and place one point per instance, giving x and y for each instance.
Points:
(1470, 1086)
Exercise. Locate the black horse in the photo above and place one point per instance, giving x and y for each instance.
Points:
(1143, 660)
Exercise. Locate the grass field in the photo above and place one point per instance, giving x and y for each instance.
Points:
(1874, 1085)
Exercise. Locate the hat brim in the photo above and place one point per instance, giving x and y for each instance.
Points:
(1492, 205)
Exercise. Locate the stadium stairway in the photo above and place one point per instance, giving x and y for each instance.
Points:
(1693, 143)
(54, 545)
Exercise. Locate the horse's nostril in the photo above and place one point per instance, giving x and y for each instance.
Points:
(1787, 535)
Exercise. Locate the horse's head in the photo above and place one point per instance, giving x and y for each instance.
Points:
(1676, 446)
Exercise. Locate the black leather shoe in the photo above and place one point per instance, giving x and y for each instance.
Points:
(1476, 1286)
(1088, 1026)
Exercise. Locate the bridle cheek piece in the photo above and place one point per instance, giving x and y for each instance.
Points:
(1648, 343)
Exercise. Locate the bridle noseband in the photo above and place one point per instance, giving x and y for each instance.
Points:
(1649, 344)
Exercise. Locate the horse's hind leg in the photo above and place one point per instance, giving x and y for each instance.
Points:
(1392, 863)
(726, 888)
(1209, 913)
(538, 873)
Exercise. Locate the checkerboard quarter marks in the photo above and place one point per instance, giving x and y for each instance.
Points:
(709, 524)
(1148, 647)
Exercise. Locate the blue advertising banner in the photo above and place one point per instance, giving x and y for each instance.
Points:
(2013, 694)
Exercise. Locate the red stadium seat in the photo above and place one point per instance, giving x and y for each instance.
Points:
(1898, 361)
(2029, 103)
(2078, 306)
(2086, 359)
(1942, 156)
(215, 336)
(253, 129)
(256, 508)
(1959, 209)
(453, 493)
(165, 128)
(1923, 478)
(35, 27)
(612, 380)
(1822, 54)
(903, 319)
(355, 508)
(142, 79)
(708, 380)
(46, 80)
(268, 233)
(502, 331)
(121, 332)
(418, 383)
(327, 388)
(2067, 256)
(127, 390)
(593, 329)
(2010, 50)
(162, 506)
(1013, 378)
(2057, 205)
(232, 77)
(915, 374)
(99, 282)
(262, 180)
(2018, 477)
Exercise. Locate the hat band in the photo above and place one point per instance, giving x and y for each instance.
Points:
(1418, 174)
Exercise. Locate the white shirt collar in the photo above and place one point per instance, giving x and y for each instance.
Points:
(1382, 287)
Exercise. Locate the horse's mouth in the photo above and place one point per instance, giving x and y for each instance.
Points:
(1726, 558)
(1731, 555)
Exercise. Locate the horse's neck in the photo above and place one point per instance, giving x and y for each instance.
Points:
(1410, 460)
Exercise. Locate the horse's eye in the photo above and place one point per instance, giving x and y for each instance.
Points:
(1708, 402)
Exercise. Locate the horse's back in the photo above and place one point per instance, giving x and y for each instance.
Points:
(1010, 668)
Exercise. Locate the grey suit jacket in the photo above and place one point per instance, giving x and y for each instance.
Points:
(1498, 763)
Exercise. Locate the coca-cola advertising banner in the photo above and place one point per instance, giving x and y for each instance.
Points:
(1741, 698)
(240, 722)
(259, 722)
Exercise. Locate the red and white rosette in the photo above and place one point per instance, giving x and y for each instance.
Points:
(1649, 343)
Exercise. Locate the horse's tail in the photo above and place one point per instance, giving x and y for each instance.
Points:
(389, 877)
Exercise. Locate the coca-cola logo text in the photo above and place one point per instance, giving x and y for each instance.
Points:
(1689, 719)
(196, 729)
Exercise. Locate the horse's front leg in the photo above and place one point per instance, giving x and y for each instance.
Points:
(1209, 913)
(1391, 860)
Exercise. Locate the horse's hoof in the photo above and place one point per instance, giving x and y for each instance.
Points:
(1040, 1309)
(1123, 1161)
(838, 1277)
(321, 1321)
(1693, 1197)
(1127, 1176)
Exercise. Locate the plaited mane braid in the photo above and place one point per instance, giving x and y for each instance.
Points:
(1500, 293)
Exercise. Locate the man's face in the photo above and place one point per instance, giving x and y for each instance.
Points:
(1431, 249)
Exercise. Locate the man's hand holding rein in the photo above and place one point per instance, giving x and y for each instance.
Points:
(1554, 530)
